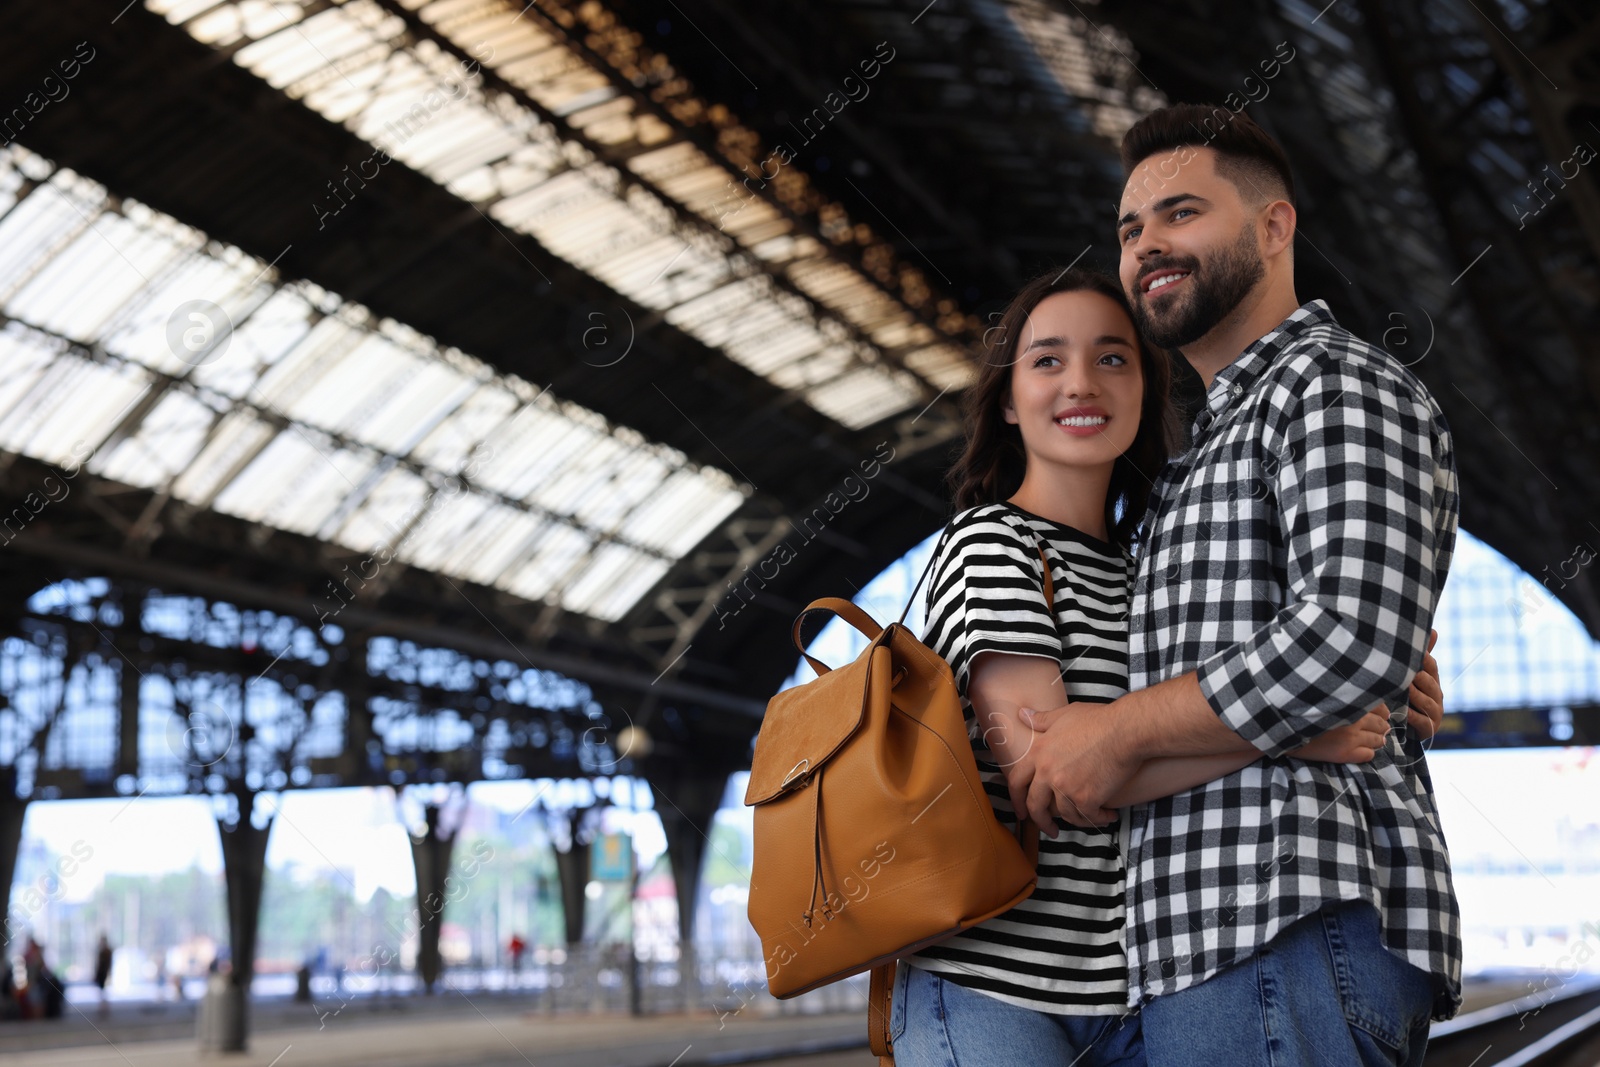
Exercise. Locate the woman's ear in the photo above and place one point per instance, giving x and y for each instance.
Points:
(1008, 410)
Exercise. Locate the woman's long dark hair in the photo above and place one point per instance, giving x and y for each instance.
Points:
(993, 461)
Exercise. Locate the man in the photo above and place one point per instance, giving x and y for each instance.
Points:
(1290, 564)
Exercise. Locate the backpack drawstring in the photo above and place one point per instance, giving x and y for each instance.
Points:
(816, 855)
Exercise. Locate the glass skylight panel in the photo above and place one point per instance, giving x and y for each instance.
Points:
(614, 579)
(39, 226)
(816, 367)
(679, 513)
(25, 356)
(852, 398)
(631, 482)
(272, 331)
(386, 511)
(556, 550)
(359, 65)
(296, 482)
(318, 418)
(499, 542)
(943, 365)
(416, 405)
(1092, 67)
(82, 285)
(73, 404)
(167, 440)
(237, 439)
(283, 384)
(535, 430)
(448, 445)
(583, 475)
(474, 536)
(139, 331)
(440, 530)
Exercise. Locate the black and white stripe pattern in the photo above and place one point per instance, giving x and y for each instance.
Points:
(1294, 557)
(1061, 950)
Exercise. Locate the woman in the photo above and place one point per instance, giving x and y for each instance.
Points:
(1067, 425)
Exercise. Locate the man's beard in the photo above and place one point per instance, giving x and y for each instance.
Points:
(1213, 294)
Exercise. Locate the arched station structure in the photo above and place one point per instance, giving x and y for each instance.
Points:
(430, 391)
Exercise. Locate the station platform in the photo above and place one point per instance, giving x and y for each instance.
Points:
(480, 1031)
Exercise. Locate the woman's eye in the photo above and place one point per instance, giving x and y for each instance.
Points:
(1117, 356)
(1047, 361)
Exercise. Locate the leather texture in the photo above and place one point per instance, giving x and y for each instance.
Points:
(874, 837)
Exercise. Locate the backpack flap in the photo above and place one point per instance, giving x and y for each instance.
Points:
(805, 725)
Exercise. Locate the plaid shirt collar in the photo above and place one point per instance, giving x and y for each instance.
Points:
(1234, 380)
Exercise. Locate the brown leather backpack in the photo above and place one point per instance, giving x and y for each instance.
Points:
(874, 837)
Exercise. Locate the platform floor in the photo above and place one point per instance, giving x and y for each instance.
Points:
(465, 1030)
(481, 1035)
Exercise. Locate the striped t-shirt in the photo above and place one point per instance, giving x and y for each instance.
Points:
(1061, 950)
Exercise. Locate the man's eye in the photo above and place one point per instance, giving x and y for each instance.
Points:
(1130, 235)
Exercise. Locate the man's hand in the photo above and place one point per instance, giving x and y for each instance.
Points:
(1426, 700)
(1010, 742)
(1077, 765)
(1357, 743)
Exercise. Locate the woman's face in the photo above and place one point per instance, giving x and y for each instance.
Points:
(1076, 382)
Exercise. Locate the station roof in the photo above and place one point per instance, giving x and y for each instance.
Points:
(582, 310)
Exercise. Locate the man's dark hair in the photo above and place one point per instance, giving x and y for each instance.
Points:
(1247, 155)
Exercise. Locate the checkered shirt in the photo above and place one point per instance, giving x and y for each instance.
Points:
(1293, 557)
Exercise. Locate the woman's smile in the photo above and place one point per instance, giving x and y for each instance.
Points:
(1082, 421)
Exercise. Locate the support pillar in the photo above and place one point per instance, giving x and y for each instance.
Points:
(686, 803)
(13, 809)
(244, 856)
(430, 855)
(128, 684)
(572, 869)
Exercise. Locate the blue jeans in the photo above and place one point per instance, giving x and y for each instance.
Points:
(1323, 993)
(937, 1023)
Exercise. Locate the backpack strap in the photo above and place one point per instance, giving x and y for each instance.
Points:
(1049, 582)
(878, 992)
(1044, 563)
(938, 549)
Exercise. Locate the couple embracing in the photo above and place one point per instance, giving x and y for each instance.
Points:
(1242, 864)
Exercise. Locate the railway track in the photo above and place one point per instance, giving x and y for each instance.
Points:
(1545, 1029)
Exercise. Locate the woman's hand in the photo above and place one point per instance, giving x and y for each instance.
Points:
(1426, 699)
(1357, 743)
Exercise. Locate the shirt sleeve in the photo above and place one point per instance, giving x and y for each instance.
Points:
(1366, 492)
(988, 596)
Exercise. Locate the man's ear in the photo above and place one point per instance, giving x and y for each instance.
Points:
(1280, 222)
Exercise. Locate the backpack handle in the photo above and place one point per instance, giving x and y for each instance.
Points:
(847, 611)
